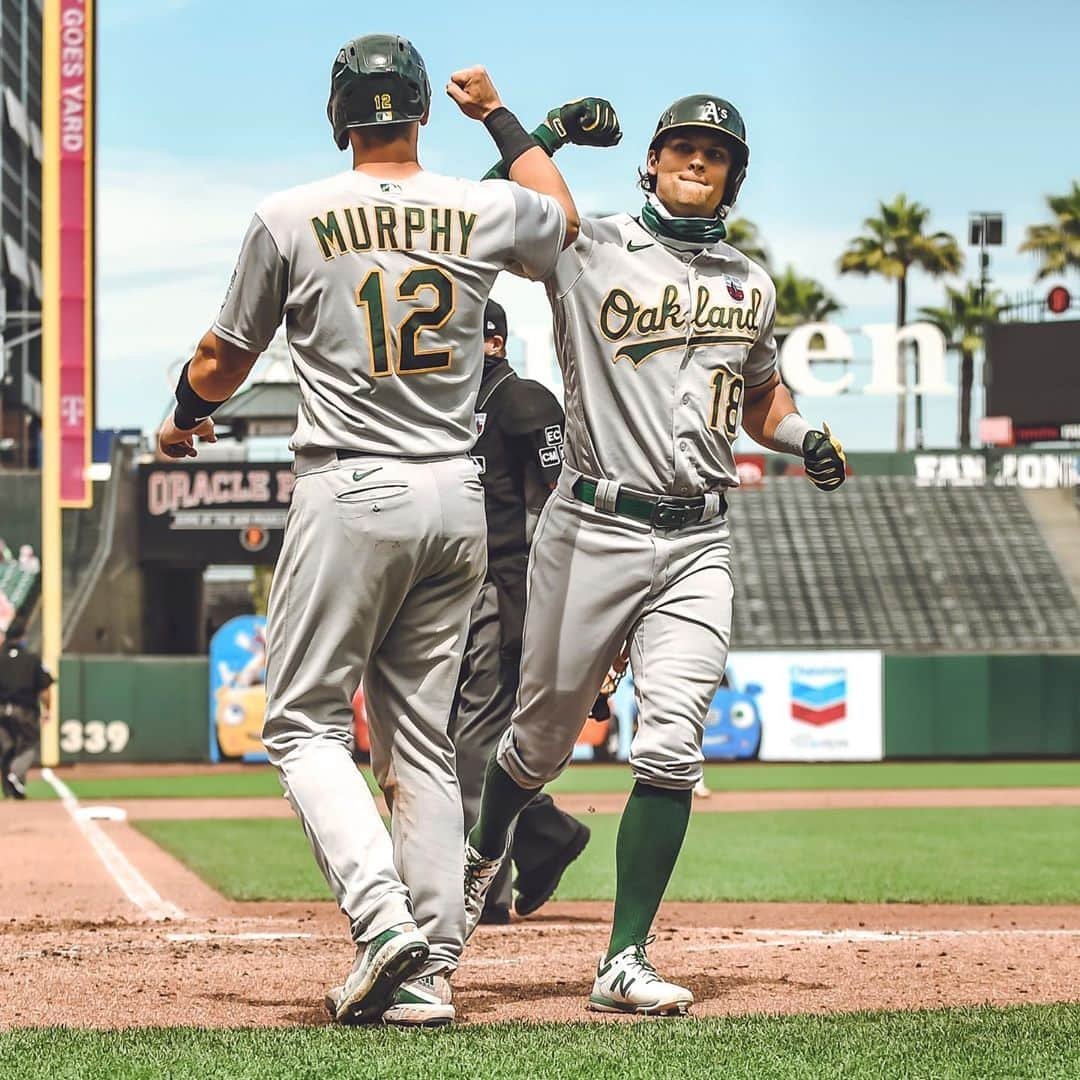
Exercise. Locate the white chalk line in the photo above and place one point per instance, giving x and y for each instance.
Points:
(772, 939)
(135, 887)
(249, 936)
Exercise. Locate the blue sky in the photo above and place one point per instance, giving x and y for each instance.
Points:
(205, 107)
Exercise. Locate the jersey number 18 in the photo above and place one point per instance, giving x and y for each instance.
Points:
(408, 358)
(726, 403)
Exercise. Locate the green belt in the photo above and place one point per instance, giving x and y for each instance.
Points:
(660, 511)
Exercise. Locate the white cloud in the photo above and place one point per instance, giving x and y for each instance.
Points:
(168, 234)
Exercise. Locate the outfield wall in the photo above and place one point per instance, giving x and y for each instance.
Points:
(155, 708)
(123, 708)
(982, 706)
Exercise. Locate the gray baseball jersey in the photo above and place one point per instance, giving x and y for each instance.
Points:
(382, 285)
(657, 344)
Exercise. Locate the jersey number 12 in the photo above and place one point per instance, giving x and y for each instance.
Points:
(408, 358)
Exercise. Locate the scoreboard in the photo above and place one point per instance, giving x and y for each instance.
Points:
(1033, 376)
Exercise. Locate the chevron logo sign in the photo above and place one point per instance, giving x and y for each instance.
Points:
(818, 695)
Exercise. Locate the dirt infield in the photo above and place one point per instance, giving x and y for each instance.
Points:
(74, 950)
(613, 802)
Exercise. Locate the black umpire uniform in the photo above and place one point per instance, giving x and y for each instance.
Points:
(23, 679)
(518, 454)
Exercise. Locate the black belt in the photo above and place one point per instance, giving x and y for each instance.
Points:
(660, 511)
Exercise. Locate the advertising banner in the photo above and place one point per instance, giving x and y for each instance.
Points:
(786, 706)
(238, 689)
(68, 28)
(221, 512)
(813, 706)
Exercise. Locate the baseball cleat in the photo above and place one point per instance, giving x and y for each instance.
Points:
(629, 983)
(381, 966)
(536, 887)
(423, 1002)
(13, 787)
(479, 875)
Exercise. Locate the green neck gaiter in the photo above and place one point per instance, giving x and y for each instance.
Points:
(687, 230)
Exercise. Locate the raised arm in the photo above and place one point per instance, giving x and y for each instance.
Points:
(588, 121)
(529, 166)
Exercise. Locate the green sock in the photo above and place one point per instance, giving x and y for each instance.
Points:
(503, 799)
(650, 835)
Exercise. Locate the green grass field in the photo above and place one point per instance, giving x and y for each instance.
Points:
(1029, 1043)
(262, 780)
(992, 855)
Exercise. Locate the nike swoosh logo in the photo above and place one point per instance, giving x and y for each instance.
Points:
(637, 247)
(357, 476)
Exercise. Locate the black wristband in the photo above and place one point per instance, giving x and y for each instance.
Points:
(510, 137)
(191, 410)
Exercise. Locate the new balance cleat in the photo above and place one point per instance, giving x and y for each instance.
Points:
(381, 966)
(629, 983)
(426, 1001)
(480, 873)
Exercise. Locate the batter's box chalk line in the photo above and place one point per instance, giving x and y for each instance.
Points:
(134, 886)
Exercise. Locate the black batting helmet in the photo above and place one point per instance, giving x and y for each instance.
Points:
(708, 111)
(376, 79)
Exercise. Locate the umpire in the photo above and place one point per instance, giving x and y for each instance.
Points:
(518, 453)
(24, 703)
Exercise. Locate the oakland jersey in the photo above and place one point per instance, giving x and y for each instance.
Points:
(658, 343)
(382, 286)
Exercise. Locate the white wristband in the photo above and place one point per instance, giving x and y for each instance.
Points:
(790, 433)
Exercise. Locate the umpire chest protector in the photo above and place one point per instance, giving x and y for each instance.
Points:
(518, 452)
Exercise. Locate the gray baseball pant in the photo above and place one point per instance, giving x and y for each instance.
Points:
(486, 694)
(380, 564)
(596, 580)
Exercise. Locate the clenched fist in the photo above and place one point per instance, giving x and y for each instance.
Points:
(588, 121)
(474, 92)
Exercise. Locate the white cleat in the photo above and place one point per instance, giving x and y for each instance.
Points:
(479, 875)
(628, 983)
(426, 1001)
(381, 966)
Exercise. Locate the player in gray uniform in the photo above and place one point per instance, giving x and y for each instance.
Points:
(665, 339)
(381, 274)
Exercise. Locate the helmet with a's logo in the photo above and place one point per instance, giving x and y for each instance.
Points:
(707, 111)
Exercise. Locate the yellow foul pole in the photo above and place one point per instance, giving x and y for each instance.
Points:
(52, 564)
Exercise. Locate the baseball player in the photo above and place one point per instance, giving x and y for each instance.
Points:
(381, 274)
(25, 693)
(518, 454)
(665, 339)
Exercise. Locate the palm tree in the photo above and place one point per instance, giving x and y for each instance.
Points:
(963, 321)
(1058, 243)
(744, 235)
(801, 300)
(892, 244)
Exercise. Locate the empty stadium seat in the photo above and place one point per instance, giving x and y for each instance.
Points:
(882, 563)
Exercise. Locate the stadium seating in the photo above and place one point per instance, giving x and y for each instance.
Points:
(17, 584)
(883, 563)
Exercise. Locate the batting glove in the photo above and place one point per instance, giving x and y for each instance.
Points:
(823, 457)
(589, 121)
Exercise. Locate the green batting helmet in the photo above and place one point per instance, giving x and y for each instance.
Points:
(716, 114)
(376, 79)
